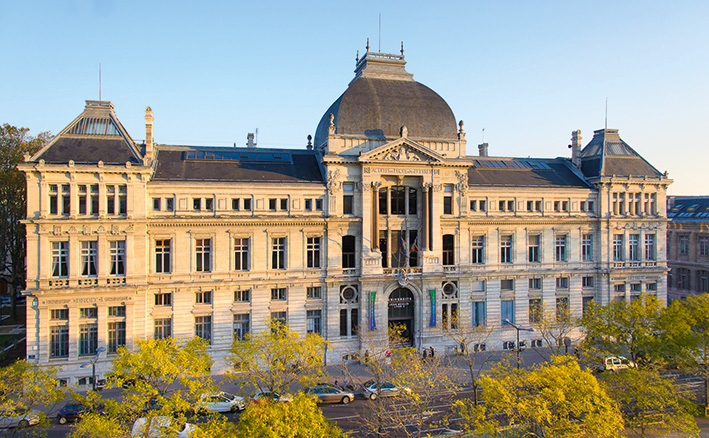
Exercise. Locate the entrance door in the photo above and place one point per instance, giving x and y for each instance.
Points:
(401, 315)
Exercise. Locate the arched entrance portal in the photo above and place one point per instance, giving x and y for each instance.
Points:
(401, 314)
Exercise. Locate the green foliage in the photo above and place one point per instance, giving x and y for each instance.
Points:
(650, 403)
(274, 359)
(623, 329)
(24, 387)
(300, 418)
(14, 143)
(555, 399)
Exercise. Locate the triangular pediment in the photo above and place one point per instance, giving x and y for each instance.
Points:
(402, 150)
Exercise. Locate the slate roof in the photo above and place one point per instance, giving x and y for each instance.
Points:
(96, 135)
(607, 154)
(692, 208)
(188, 163)
(524, 172)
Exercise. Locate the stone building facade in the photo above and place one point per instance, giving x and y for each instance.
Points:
(382, 219)
(687, 246)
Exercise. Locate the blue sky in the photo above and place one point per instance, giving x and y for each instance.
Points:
(528, 72)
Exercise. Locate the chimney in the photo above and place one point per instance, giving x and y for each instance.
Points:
(482, 148)
(576, 148)
(250, 142)
(148, 133)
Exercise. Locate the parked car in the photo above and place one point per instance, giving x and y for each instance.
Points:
(222, 402)
(9, 418)
(74, 412)
(271, 396)
(330, 394)
(616, 363)
(159, 427)
(371, 390)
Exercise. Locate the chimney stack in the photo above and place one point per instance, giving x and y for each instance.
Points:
(482, 149)
(148, 133)
(576, 148)
(250, 140)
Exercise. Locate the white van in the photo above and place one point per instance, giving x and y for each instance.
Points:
(617, 363)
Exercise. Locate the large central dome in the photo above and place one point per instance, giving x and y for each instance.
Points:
(381, 99)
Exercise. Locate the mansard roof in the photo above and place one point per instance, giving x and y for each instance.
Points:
(688, 208)
(96, 135)
(229, 164)
(524, 172)
(607, 155)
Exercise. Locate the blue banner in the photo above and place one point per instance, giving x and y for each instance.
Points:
(372, 320)
(433, 307)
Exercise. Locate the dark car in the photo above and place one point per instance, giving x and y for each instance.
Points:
(74, 412)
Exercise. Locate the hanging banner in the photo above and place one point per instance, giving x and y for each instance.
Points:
(433, 307)
(372, 321)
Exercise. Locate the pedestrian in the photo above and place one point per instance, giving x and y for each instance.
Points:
(425, 354)
(433, 352)
(336, 383)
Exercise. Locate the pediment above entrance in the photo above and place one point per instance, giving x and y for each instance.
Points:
(402, 150)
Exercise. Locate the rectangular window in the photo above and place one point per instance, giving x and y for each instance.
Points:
(60, 259)
(510, 205)
(684, 245)
(314, 321)
(88, 312)
(634, 247)
(535, 310)
(702, 246)
(507, 312)
(618, 247)
(209, 204)
(88, 339)
(473, 205)
(94, 199)
(448, 200)
(119, 311)
(478, 244)
(117, 252)
(619, 288)
(582, 206)
(313, 293)
(413, 201)
(247, 204)
(587, 282)
(506, 249)
(241, 326)
(162, 256)
(587, 247)
(560, 247)
(348, 198)
(530, 205)
(163, 328)
(272, 202)
(53, 199)
(318, 204)
(535, 284)
(284, 204)
(279, 294)
(279, 317)
(308, 205)
(163, 299)
(116, 335)
(82, 199)
(197, 204)
(562, 309)
(169, 204)
(354, 321)
(507, 285)
(448, 250)
(122, 199)
(204, 297)
(343, 322)
(590, 208)
(241, 254)
(242, 295)
(562, 282)
(635, 288)
(478, 313)
(312, 252)
(156, 204)
(203, 255)
(278, 253)
(652, 287)
(66, 199)
(235, 204)
(203, 327)
(89, 258)
(59, 341)
(348, 252)
(533, 248)
(59, 314)
(483, 205)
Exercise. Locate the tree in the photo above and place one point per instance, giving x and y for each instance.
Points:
(473, 351)
(623, 329)
(684, 335)
(14, 144)
(274, 359)
(650, 403)
(552, 399)
(24, 387)
(555, 327)
(300, 418)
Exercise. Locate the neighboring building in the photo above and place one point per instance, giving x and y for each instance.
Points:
(384, 219)
(687, 246)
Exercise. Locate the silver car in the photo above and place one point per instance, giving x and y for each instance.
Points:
(330, 394)
(371, 390)
(14, 419)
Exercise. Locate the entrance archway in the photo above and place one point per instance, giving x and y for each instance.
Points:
(401, 314)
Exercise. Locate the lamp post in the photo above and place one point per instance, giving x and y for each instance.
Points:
(92, 364)
(519, 329)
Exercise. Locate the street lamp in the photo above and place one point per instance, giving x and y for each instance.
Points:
(519, 329)
(92, 364)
